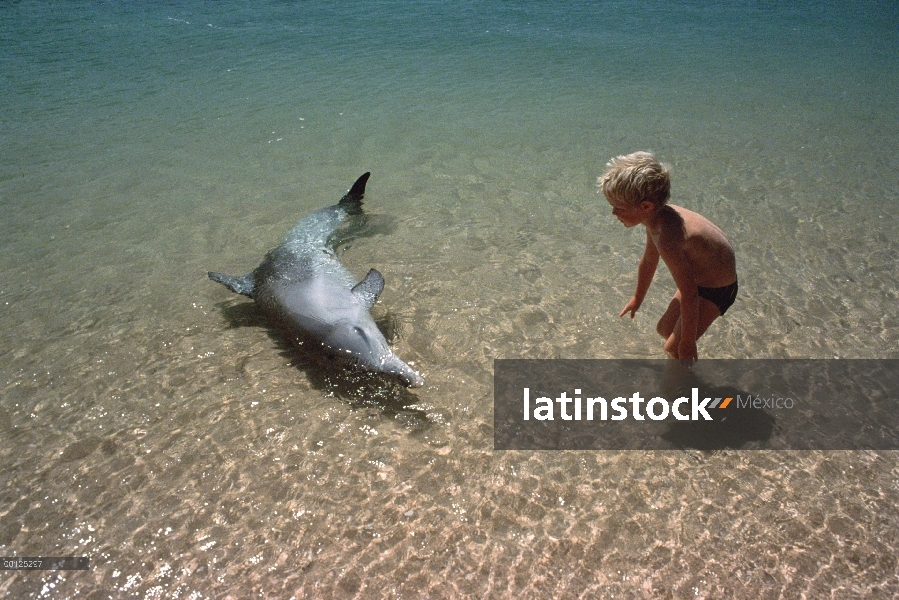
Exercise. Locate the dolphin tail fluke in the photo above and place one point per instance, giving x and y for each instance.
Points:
(241, 285)
(352, 200)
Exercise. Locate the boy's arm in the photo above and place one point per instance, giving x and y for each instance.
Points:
(647, 268)
(681, 270)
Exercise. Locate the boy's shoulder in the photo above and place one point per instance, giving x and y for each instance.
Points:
(684, 219)
(671, 219)
(684, 213)
(676, 226)
(681, 228)
(667, 229)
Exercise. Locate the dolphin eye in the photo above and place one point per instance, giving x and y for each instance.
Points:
(360, 331)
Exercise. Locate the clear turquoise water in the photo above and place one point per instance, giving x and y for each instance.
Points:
(149, 419)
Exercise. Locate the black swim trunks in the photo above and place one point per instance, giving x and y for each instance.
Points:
(722, 297)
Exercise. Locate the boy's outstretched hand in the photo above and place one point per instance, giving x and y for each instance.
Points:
(631, 307)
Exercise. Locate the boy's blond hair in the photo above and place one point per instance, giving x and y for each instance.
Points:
(633, 178)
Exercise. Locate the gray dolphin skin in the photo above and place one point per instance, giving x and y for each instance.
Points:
(307, 293)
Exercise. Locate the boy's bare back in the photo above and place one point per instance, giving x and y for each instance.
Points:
(699, 242)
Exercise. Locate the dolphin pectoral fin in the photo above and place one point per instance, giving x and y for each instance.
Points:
(352, 200)
(241, 285)
(368, 290)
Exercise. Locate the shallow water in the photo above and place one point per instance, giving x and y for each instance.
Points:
(151, 420)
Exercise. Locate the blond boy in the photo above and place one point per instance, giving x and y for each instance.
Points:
(698, 255)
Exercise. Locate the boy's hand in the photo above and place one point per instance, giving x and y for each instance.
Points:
(631, 307)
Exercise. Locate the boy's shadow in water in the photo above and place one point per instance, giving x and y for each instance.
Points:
(730, 429)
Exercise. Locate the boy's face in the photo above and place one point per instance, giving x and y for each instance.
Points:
(628, 214)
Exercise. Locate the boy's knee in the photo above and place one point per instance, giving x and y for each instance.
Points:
(664, 329)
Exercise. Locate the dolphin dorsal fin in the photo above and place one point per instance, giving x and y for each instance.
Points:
(352, 200)
(369, 288)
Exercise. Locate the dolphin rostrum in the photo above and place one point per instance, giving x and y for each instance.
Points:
(306, 292)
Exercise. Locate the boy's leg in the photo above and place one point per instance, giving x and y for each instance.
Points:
(708, 312)
(669, 320)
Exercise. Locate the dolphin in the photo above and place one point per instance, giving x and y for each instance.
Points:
(308, 294)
